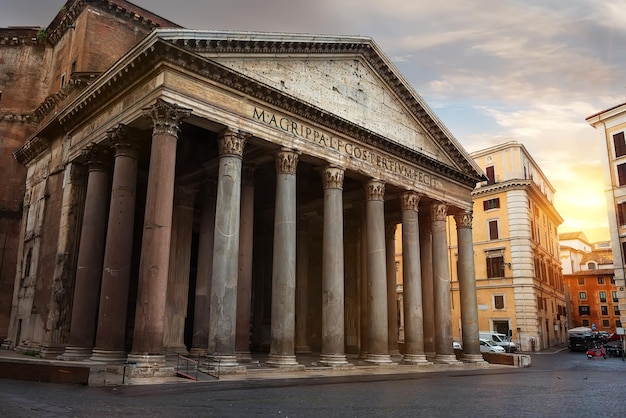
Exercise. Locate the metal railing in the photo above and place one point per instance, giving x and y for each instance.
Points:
(187, 367)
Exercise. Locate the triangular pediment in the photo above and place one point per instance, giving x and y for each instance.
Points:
(346, 87)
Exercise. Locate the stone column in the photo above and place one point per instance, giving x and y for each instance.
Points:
(378, 327)
(392, 282)
(157, 230)
(244, 282)
(90, 255)
(441, 287)
(467, 287)
(428, 298)
(412, 282)
(224, 276)
(118, 250)
(178, 276)
(333, 315)
(302, 288)
(200, 339)
(282, 353)
(363, 288)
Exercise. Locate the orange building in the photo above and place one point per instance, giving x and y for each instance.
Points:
(593, 299)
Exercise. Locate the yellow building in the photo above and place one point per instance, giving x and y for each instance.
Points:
(516, 251)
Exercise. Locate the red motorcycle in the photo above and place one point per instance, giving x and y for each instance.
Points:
(596, 352)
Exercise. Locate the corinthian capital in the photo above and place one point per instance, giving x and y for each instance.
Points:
(333, 177)
(166, 117)
(286, 161)
(438, 212)
(409, 201)
(464, 219)
(232, 142)
(375, 190)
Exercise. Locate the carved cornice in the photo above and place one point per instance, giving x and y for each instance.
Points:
(125, 141)
(30, 150)
(375, 190)
(333, 177)
(286, 161)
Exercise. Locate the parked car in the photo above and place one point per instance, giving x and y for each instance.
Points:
(614, 337)
(457, 345)
(500, 339)
(488, 346)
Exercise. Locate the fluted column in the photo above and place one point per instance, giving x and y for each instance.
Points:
(111, 330)
(363, 288)
(244, 283)
(333, 315)
(223, 300)
(200, 338)
(282, 353)
(302, 287)
(378, 330)
(392, 282)
(441, 288)
(428, 298)
(412, 282)
(90, 254)
(157, 230)
(178, 277)
(467, 287)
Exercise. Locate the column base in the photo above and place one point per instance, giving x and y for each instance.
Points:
(303, 349)
(243, 356)
(199, 352)
(430, 355)
(380, 359)
(284, 362)
(449, 359)
(476, 359)
(147, 366)
(335, 360)
(51, 351)
(73, 353)
(222, 360)
(416, 359)
(108, 356)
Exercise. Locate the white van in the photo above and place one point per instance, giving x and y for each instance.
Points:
(500, 339)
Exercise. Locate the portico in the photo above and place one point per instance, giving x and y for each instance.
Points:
(251, 188)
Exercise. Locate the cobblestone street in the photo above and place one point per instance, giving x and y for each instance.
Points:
(557, 384)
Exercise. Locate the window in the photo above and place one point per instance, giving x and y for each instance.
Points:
(619, 144)
(582, 295)
(498, 301)
(618, 323)
(581, 281)
(604, 310)
(491, 174)
(493, 229)
(621, 174)
(612, 280)
(600, 280)
(491, 203)
(583, 310)
(539, 303)
(605, 323)
(621, 213)
(63, 80)
(602, 295)
(616, 310)
(495, 266)
(591, 265)
(585, 322)
(614, 295)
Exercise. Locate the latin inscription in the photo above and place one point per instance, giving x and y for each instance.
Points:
(344, 147)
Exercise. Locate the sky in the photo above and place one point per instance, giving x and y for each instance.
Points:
(492, 70)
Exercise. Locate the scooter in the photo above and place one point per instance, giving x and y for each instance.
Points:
(596, 352)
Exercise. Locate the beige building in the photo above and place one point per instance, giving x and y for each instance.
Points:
(516, 251)
(610, 124)
(259, 176)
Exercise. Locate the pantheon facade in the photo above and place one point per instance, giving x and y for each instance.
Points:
(225, 194)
